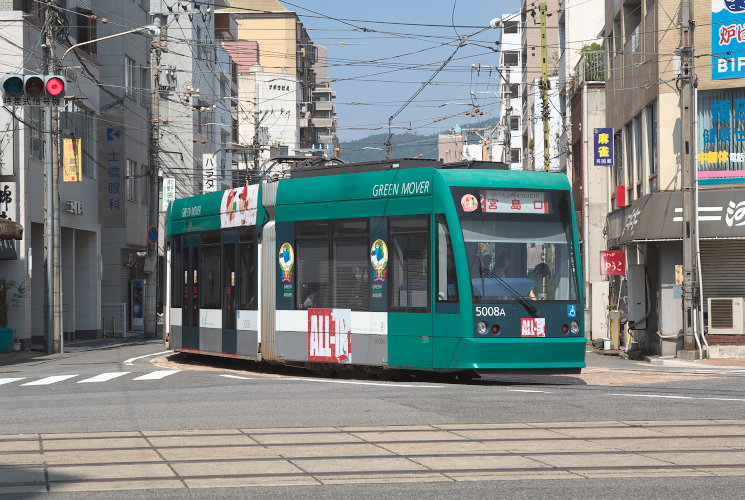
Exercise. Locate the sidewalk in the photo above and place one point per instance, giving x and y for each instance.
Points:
(704, 364)
(71, 348)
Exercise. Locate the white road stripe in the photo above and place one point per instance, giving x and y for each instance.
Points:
(527, 390)
(104, 377)
(50, 380)
(129, 361)
(157, 375)
(4, 381)
(359, 383)
(662, 396)
(236, 376)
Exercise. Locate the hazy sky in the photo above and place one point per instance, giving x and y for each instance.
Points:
(375, 76)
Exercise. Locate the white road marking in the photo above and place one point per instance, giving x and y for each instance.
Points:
(527, 390)
(353, 382)
(104, 377)
(236, 376)
(132, 360)
(157, 375)
(50, 380)
(4, 381)
(662, 396)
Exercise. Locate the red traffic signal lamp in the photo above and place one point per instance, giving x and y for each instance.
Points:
(16, 86)
(55, 86)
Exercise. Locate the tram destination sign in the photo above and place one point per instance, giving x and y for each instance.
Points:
(515, 202)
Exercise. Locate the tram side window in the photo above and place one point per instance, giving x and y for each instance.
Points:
(210, 274)
(333, 266)
(410, 249)
(447, 279)
(177, 280)
(247, 280)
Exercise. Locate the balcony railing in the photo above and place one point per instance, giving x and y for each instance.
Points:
(590, 68)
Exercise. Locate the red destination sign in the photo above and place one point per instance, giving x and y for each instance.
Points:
(612, 263)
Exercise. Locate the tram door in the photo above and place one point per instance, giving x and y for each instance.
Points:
(190, 283)
(229, 280)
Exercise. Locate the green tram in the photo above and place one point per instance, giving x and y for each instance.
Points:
(433, 269)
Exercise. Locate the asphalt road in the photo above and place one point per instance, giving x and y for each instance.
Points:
(114, 386)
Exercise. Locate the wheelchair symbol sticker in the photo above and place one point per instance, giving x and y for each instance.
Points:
(572, 311)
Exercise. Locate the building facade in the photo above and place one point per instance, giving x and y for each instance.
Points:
(643, 107)
(511, 70)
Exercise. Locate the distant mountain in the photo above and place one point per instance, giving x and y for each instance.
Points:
(407, 145)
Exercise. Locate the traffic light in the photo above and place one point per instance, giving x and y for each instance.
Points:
(33, 86)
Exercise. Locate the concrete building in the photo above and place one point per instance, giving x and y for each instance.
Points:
(643, 107)
(197, 87)
(22, 181)
(511, 111)
(586, 98)
(289, 94)
(124, 124)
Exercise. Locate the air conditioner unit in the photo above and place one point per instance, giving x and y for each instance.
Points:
(726, 316)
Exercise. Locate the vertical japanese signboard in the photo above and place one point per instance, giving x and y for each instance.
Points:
(209, 173)
(112, 184)
(603, 147)
(727, 39)
(8, 210)
(72, 159)
(169, 193)
(8, 127)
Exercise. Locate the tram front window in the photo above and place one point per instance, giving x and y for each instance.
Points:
(517, 252)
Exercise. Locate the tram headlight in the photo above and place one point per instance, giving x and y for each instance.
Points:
(574, 327)
(481, 327)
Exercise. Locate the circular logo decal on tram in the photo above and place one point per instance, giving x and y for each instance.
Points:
(286, 261)
(379, 259)
(469, 203)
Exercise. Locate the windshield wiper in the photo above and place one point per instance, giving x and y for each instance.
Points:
(520, 299)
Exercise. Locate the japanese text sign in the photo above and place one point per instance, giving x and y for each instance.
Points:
(515, 202)
(727, 39)
(603, 147)
(72, 159)
(612, 263)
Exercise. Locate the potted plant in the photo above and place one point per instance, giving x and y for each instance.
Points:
(11, 293)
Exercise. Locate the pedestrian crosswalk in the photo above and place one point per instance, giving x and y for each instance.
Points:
(100, 378)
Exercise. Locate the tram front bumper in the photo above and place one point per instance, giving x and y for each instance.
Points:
(543, 354)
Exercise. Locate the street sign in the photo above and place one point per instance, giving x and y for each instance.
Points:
(612, 263)
(169, 192)
(152, 234)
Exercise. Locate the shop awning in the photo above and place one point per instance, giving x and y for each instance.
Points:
(659, 217)
(10, 230)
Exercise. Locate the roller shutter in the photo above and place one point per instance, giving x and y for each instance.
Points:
(723, 268)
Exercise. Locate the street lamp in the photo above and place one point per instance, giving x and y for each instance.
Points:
(150, 30)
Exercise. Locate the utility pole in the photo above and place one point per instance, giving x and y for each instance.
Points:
(151, 261)
(544, 89)
(688, 155)
(508, 119)
(51, 220)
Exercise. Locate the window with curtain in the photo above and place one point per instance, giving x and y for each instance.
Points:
(409, 261)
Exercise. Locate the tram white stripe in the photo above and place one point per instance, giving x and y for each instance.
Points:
(50, 380)
(104, 377)
(383, 384)
(4, 381)
(156, 375)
